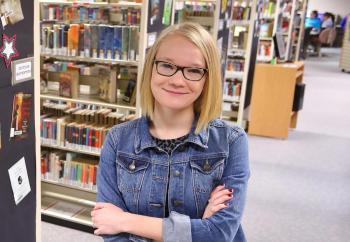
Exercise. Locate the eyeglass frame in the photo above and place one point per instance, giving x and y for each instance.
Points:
(181, 68)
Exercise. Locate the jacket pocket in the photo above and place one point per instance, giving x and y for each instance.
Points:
(130, 176)
(206, 174)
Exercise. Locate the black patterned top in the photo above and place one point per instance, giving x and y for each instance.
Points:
(168, 145)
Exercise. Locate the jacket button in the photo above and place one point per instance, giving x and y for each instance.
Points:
(178, 203)
(132, 166)
(206, 166)
(177, 173)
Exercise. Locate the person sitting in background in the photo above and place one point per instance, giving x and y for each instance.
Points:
(314, 23)
(312, 30)
(327, 21)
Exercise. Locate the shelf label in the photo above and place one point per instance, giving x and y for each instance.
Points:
(22, 70)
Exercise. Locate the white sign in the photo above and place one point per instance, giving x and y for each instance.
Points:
(22, 70)
(19, 180)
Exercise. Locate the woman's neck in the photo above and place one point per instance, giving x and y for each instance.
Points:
(171, 124)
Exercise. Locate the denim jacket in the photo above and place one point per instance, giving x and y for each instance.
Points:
(134, 175)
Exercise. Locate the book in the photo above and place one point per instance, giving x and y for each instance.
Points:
(73, 39)
(21, 110)
(108, 84)
(11, 12)
(69, 83)
(134, 43)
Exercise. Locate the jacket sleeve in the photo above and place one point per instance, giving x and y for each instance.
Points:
(107, 189)
(225, 224)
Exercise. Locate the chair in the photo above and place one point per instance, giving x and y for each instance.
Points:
(326, 37)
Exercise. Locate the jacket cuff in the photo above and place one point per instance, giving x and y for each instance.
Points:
(177, 228)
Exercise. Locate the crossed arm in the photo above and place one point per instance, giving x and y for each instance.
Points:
(110, 219)
(222, 214)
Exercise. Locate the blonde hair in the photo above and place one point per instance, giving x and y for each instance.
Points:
(208, 105)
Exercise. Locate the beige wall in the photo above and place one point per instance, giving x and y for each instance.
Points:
(341, 7)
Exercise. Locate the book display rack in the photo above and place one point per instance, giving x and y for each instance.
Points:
(90, 68)
(240, 61)
(285, 17)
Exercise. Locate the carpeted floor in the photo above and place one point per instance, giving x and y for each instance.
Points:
(299, 187)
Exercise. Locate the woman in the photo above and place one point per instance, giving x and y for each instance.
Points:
(177, 173)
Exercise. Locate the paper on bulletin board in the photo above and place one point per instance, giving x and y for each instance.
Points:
(22, 70)
(19, 180)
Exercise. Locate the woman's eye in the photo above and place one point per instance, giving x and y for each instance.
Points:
(195, 70)
(167, 66)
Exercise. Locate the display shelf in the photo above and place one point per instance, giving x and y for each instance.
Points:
(240, 22)
(68, 42)
(67, 185)
(234, 74)
(60, 147)
(85, 100)
(240, 63)
(67, 203)
(91, 60)
(206, 13)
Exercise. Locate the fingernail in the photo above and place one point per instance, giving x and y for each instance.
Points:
(231, 190)
(226, 204)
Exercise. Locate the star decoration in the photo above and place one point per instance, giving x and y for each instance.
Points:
(8, 50)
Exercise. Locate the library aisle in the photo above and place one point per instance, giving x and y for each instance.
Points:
(298, 189)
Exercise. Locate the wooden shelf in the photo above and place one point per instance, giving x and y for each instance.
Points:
(272, 99)
(234, 74)
(57, 183)
(240, 22)
(91, 60)
(227, 98)
(80, 151)
(86, 100)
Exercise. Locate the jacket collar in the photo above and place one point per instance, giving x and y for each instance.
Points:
(144, 140)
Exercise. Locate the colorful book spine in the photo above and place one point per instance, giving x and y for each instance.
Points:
(125, 42)
(87, 40)
(117, 42)
(94, 39)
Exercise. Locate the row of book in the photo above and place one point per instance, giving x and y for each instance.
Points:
(67, 168)
(241, 13)
(88, 14)
(112, 84)
(199, 9)
(83, 113)
(265, 48)
(73, 135)
(114, 42)
(235, 65)
(269, 9)
(232, 87)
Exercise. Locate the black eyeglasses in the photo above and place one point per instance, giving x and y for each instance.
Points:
(190, 73)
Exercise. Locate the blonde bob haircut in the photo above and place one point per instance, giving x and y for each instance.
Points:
(208, 104)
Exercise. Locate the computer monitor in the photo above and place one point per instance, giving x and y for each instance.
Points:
(279, 45)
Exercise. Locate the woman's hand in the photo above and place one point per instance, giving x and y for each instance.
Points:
(217, 201)
(108, 219)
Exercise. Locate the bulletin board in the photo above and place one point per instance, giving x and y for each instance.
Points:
(17, 123)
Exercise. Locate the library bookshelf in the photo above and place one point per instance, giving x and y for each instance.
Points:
(91, 54)
(239, 62)
(286, 17)
(204, 12)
